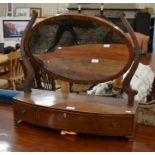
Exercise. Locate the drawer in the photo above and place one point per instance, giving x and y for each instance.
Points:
(25, 112)
(115, 125)
(70, 121)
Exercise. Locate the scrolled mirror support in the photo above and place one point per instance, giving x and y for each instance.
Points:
(28, 69)
(126, 83)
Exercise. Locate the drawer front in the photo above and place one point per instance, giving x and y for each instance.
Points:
(66, 120)
(117, 126)
(25, 112)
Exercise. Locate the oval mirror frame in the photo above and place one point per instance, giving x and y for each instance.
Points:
(85, 18)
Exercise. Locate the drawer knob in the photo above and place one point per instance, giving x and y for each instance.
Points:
(115, 125)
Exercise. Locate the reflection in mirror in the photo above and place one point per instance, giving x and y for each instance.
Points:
(73, 48)
(65, 33)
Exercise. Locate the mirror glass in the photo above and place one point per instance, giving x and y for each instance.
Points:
(79, 49)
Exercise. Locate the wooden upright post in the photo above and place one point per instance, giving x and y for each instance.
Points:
(65, 87)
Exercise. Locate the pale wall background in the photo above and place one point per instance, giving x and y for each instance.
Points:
(49, 9)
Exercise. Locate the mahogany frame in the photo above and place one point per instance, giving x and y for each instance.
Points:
(28, 58)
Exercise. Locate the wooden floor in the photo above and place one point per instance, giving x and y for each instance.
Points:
(26, 137)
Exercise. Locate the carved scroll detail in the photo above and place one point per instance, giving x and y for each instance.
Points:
(126, 83)
(28, 69)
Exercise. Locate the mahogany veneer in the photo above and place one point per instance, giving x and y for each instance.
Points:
(79, 113)
(31, 138)
(88, 63)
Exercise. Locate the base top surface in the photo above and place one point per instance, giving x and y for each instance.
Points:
(76, 102)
